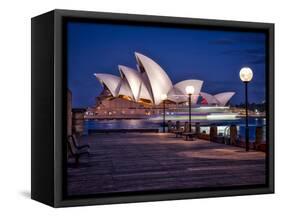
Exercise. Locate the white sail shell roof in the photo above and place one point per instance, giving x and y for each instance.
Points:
(197, 84)
(152, 82)
(176, 95)
(112, 82)
(125, 90)
(133, 77)
(157, 81)
(210, 98)
(223, 98)
(144, 93)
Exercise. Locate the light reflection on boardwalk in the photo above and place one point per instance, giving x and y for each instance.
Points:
(156, 161)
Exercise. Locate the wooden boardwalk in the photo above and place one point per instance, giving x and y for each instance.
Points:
(153, 161)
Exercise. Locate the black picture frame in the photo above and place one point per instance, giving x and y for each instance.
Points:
(49, 106)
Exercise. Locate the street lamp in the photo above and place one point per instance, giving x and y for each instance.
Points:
(246, 75)
(163, 98)
(189, 90)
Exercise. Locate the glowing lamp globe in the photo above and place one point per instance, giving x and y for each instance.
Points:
(246, 74)
(163, 96)
(189, 89)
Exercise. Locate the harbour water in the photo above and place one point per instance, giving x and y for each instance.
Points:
(157, 124)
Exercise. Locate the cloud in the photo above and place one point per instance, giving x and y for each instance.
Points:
(232, 52)
(248, 51)
(254, 50)
(241, 40)
(222, 41)
(252, 40)
(253, 55)
(258, 60)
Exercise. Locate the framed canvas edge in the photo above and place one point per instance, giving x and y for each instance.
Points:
(59, 79)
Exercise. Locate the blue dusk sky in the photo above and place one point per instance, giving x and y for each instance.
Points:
(215, 57)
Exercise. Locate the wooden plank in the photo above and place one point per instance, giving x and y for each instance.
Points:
(150, 161)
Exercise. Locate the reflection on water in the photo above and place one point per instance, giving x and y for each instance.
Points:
(157, 124)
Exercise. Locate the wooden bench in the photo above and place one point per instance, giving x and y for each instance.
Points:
(76, 152)
(189, 136)
(178, 133)
(77, 145)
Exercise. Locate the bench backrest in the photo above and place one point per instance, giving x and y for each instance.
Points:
(75, 141)
(186, 127)
(177, 125)
(71, 145)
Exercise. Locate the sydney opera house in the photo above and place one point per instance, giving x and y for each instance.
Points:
(142, 91)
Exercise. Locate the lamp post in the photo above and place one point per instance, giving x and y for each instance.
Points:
(246, 75)
(189, 90)
(164, 97)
